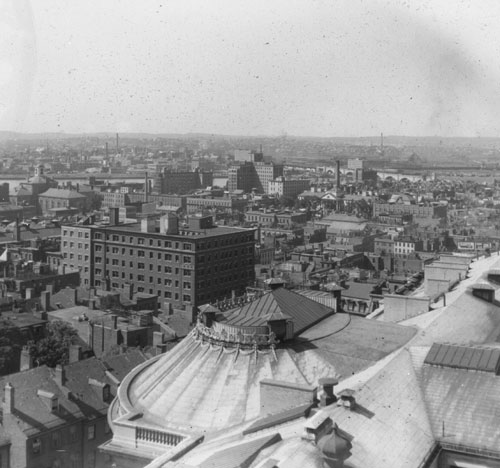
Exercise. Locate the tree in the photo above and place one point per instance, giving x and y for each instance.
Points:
(54, 348)
(10, 347)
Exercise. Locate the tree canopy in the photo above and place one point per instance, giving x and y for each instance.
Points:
(54, 348)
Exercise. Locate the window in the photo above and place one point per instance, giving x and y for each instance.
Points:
(140, 253)
(187, 259)
(140, 277)
(36, 445)
(97, 235)
(65, 232)
(168, 257)
(168, 269)
(115, 262)
(79, 233)
(72, 245)
(116, 250)
(140, 266)
(80, 245)
(98, 259)
(186, 272)
(140, 241)
(91, 432)
(186, 285)
(98, 248)
(167, 282)
(186, 246)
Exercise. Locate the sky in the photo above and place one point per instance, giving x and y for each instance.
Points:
(266, 67)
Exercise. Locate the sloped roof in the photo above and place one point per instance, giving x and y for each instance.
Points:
(303, 311)
(463, 404)
(239, 455)
(31, 413)
(122, 364)
(62, 193)
(389, 425)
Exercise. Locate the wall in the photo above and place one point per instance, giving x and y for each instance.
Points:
(398, 308)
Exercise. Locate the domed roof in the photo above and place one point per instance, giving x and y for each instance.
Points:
(198, 386)
(335, 446)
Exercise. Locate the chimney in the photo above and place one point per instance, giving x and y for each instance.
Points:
(75, 353)
(17, 231)
(9, 402)
(26, 359)
(114, 216)
(317, 426)
(346, 399)
(60, 375)
(117, 144)
(107, 151)
(146, 187)
(45, 300)
(129, 289)
(114, 319)
(338, 173)
(326, 395)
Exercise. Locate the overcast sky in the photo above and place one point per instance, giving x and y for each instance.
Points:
(266, 67)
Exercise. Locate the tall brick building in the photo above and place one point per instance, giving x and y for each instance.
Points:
(252, 175)
(183, 266)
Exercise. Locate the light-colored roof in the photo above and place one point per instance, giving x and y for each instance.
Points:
(62, 193)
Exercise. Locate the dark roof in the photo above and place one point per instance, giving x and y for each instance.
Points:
(31, 413)
(303, 311)
(122, 364)
(464, 357)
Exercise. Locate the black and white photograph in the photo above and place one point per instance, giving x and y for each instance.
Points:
(249, 234)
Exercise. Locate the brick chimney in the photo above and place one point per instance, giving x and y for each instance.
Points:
(45, 300)
(75, 353)
(60, 375)
(9, 403)
(26, 359)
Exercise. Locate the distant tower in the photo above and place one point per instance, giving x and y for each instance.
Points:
(117, 144)
(146, 188)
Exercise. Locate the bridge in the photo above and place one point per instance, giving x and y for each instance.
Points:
(402, 177)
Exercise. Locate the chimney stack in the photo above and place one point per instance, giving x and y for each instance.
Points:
(146, 188)
(9, 402)
(60, 375)
(114, 216)
(338, 173)
(26, 359)
(17, 231)
(45, 300)
(75, 353)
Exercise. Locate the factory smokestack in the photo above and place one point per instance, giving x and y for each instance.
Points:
(338, 174)
(146, 188)
(117, 144)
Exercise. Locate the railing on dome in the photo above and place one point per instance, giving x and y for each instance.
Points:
(232, 336)
(156, 436)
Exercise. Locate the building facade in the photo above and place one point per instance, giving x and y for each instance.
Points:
(288, 188)
(184, 267)
(248, 176)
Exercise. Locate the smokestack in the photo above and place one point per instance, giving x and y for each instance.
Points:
(107, 150)
(117, 144)
(114, 216)
(338, 174)
(382, 143)
(146, 188)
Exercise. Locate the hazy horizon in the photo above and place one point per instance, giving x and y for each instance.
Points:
(318, 69)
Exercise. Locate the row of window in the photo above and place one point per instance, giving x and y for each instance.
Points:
(72, 245)
(80, 234)
(69, 435)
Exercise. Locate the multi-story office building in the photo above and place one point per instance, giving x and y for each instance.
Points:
(181, 182)
(185, 267)
(248, 176)
(288, 188)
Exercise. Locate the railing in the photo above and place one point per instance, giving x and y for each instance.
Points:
(236, 337)
(157, 436)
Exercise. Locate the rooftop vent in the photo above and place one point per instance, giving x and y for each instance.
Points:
(484, 291)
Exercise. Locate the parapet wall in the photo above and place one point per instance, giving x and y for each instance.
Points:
(398, 308)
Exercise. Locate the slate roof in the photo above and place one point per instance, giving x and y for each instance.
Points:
(303, 311)
(122, 364)
(31, 414)
(466, 403)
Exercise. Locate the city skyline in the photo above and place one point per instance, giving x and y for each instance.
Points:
(319, 69)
